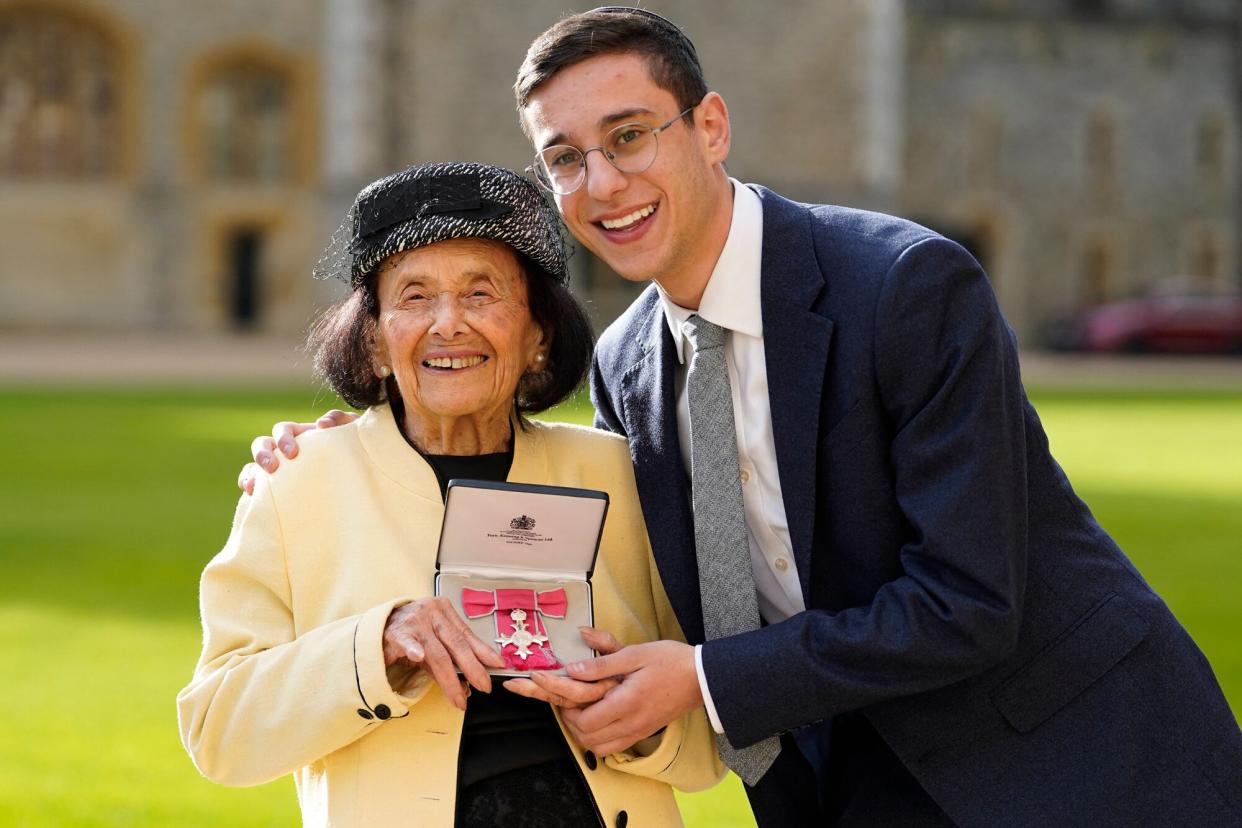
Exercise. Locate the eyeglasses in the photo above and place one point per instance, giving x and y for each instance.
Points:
(630, 148)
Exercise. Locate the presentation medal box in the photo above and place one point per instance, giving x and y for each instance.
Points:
(516, 561)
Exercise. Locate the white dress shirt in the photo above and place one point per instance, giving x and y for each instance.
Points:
(731, 300)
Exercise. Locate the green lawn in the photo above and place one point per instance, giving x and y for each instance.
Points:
(111, 503)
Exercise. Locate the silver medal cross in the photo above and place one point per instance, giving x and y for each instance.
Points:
(521, 637)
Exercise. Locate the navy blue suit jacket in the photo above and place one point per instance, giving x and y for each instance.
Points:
(959, 594)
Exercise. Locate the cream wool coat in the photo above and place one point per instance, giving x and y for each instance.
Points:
(292, 676)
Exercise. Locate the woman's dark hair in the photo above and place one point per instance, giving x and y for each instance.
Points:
(671, 58)
(342, 341)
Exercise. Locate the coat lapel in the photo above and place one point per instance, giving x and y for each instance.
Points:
(796, 343)
(650, 418)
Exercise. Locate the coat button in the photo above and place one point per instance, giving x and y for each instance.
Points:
(366, 714)
(623, 819)
(382, 711)
(590, 760)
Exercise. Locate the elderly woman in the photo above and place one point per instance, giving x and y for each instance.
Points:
(324, 654)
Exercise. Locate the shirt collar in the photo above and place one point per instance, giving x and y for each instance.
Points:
(731, 299)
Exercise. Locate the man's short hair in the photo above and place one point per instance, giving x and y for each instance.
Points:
(671, 58)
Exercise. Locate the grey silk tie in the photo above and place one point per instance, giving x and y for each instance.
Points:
(726, 584)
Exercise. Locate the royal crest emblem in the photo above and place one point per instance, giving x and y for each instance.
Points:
(523, 522)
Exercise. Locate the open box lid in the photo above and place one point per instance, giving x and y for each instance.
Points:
(500, 530)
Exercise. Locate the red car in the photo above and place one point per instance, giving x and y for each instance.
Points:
(1163, 324)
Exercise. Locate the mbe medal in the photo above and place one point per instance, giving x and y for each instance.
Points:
(521, 647)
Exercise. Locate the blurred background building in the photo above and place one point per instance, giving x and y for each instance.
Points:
(178, 165)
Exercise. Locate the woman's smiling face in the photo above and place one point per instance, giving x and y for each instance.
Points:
(455, 326)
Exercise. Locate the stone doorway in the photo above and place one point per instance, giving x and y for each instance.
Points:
(245, 277)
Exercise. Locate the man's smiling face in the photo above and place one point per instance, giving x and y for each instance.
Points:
(668, 222)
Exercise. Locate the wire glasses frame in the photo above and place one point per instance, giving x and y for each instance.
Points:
(630, 148)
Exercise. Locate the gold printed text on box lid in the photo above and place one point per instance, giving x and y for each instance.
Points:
(522, 529)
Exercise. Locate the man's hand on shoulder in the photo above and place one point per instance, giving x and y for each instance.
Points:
(658, 684)
(284, 440)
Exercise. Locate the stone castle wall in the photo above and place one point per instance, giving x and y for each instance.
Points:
(1083, 149)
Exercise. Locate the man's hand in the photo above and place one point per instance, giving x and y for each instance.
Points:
(565, 692)
(658, 685)
(284, 436)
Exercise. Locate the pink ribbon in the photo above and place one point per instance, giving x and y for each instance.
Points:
(477, 603)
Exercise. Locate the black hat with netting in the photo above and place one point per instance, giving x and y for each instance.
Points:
(432, 203)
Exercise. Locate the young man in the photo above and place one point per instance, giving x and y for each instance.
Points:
(931, 628)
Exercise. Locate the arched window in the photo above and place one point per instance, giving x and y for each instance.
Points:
(1210, 148)
(987, 138)
(245, 124)
(1090, 8)
(1101, 148)
(1097, 273)
(1206, 263)
(59, 86)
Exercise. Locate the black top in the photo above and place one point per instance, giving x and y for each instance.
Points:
(502, 731)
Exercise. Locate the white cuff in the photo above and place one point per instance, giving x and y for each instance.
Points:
(707, 694)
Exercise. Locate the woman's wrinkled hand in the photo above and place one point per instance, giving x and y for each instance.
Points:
(563, 691)
(429, 634)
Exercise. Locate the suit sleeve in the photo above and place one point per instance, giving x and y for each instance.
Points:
(947, 375)
(266, 698)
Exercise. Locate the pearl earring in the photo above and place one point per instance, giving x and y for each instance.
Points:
(384, 371)
(539, 358)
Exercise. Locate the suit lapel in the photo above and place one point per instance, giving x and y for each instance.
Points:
(796, 343)
(650, 418)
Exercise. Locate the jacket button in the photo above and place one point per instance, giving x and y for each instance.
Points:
(590, 760)
(382, 711)
(365, 713)
(623, 819)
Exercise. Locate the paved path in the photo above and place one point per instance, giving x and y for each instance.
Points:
(127, 360)
(1047, 370)
(145, 359)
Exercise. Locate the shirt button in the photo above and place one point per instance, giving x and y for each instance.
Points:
(591, 761)
(745, 476)
(781, 564)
